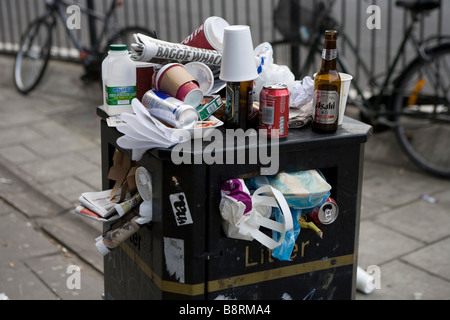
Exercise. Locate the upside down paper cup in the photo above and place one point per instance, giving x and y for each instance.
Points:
(238, 60)
(209, 35)
(175, 80)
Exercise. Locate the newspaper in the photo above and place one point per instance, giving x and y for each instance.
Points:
(148, 49)
(99, 203)
(87, 213)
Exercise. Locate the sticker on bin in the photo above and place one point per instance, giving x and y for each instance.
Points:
(180, 209)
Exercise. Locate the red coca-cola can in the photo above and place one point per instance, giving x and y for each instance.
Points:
(274, 110)
(325, 214)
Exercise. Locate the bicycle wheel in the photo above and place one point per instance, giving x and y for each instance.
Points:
(33, 55)
(299, 57)
(422, 112)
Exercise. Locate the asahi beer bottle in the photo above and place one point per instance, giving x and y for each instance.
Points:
(327, 86)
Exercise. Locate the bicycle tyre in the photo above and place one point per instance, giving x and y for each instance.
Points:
(425, 135)
(33, 55)
(294, 54)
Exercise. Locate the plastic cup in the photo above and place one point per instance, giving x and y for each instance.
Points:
(364, 281)
(346, 80)
(174, 79)
(238, 60)
(209, 35)
(203, 74)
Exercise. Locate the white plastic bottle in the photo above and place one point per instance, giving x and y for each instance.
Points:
(119, 80)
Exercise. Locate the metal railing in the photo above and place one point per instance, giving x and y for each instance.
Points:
(174, 20)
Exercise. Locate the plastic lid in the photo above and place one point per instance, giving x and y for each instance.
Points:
(118, 47)
(214, 29)
(203, 74)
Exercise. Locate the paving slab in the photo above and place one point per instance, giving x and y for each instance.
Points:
(434, 259)
(401, 281)
(378, 244)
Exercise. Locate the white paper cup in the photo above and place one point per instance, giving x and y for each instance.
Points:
(346, 80)
(364, 281)
(203, 74)
(238, 61)
(175, 80)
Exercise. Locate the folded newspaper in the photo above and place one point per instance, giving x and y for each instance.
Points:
(97, 205)
(148, 49)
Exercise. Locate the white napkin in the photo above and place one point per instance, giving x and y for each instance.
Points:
(143, 132)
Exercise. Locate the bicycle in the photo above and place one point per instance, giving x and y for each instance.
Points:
(415, 103)
(36, 43)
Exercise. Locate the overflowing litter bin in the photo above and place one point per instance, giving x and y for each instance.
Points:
(214, 185)
(184, 252)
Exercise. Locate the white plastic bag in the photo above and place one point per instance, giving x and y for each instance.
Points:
(269, 72)
(245, 226)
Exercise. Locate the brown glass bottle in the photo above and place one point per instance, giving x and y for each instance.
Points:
(327, 86)
(239, 104)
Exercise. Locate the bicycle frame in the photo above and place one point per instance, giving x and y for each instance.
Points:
(371, 106)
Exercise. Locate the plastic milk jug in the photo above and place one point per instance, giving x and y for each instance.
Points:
(119, 80)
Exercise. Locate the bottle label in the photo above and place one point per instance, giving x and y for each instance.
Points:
(116, 96)
(326, 106)
(329, 54)
(232, 102)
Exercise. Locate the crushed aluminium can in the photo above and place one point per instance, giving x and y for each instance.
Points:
(325, 214)
(170, 110)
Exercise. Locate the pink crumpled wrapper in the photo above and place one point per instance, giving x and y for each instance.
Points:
(235, 189)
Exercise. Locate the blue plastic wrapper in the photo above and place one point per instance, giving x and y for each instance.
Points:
(303, 191)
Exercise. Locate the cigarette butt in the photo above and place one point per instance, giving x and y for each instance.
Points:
(310, 225)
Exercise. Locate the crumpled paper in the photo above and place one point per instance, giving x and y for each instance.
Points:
(302, 92)
(299, 117)
(301, 103)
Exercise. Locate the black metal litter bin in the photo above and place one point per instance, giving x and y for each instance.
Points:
(176, 258)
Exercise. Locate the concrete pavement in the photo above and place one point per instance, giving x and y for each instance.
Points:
(50, 154)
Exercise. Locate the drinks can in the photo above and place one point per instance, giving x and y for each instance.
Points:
(325, 214)
(170, 110)
(274, 110)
